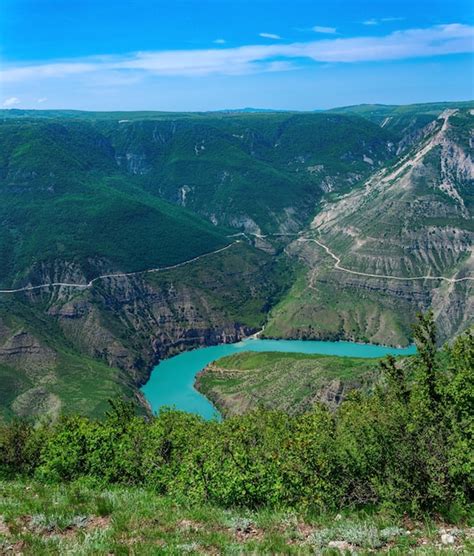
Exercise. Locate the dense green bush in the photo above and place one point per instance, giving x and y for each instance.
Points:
(408, 444)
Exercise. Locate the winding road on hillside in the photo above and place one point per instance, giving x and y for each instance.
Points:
(120, 274)
(337, 266)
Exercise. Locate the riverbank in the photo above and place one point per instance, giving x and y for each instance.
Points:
(172, 381)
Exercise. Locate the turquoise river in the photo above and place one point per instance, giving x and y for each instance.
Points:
(172, 381)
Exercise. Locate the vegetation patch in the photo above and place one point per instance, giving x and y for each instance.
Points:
(291, 382)
(406, 445)
(140, 521)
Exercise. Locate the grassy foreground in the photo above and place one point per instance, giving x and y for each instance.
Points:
(81, 518)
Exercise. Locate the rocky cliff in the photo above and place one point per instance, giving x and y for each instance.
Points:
(130, 322)
(379, 254)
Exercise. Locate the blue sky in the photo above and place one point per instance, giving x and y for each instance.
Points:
(215, 54)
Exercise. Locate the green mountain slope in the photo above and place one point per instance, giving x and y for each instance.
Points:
(65, 201)
(256, 172)
(405, 122)
(410, 223)
(43, 373)
(378, 112)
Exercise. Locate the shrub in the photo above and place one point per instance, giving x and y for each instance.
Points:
(408, 445)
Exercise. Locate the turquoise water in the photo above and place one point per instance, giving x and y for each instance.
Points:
(171, 382)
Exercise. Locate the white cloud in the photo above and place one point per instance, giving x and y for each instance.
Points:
(269, 36)
(326, 30)
(219, 41)
(11, 101)
(411, 43)
(375, 21)
(41, 100)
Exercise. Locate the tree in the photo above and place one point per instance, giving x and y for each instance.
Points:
(424, 332)
(396, 378)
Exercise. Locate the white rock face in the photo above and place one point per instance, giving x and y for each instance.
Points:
(368, 160)
(245, 222)
(183, 192)
(134, 163)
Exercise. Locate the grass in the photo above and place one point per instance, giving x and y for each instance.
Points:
(83, 518)
(291, 382)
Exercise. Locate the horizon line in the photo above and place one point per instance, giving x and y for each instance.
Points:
(250, 109)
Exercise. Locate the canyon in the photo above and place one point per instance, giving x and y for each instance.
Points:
(144, 237)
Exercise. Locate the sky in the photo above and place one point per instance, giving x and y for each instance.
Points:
(202, 55)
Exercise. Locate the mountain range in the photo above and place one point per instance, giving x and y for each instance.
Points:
(132, 236)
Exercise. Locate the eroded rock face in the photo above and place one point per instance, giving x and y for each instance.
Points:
(408, 225)
(131, 322)
(134, 163)
(132, 325)
(22, 350)
(335, 392)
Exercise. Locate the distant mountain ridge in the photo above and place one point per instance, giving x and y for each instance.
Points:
(368, 111)
(257, 172)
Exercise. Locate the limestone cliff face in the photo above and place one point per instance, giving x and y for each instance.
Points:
(388, 241)
(126, 324)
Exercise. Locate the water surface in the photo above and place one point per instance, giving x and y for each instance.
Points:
(171, 382)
